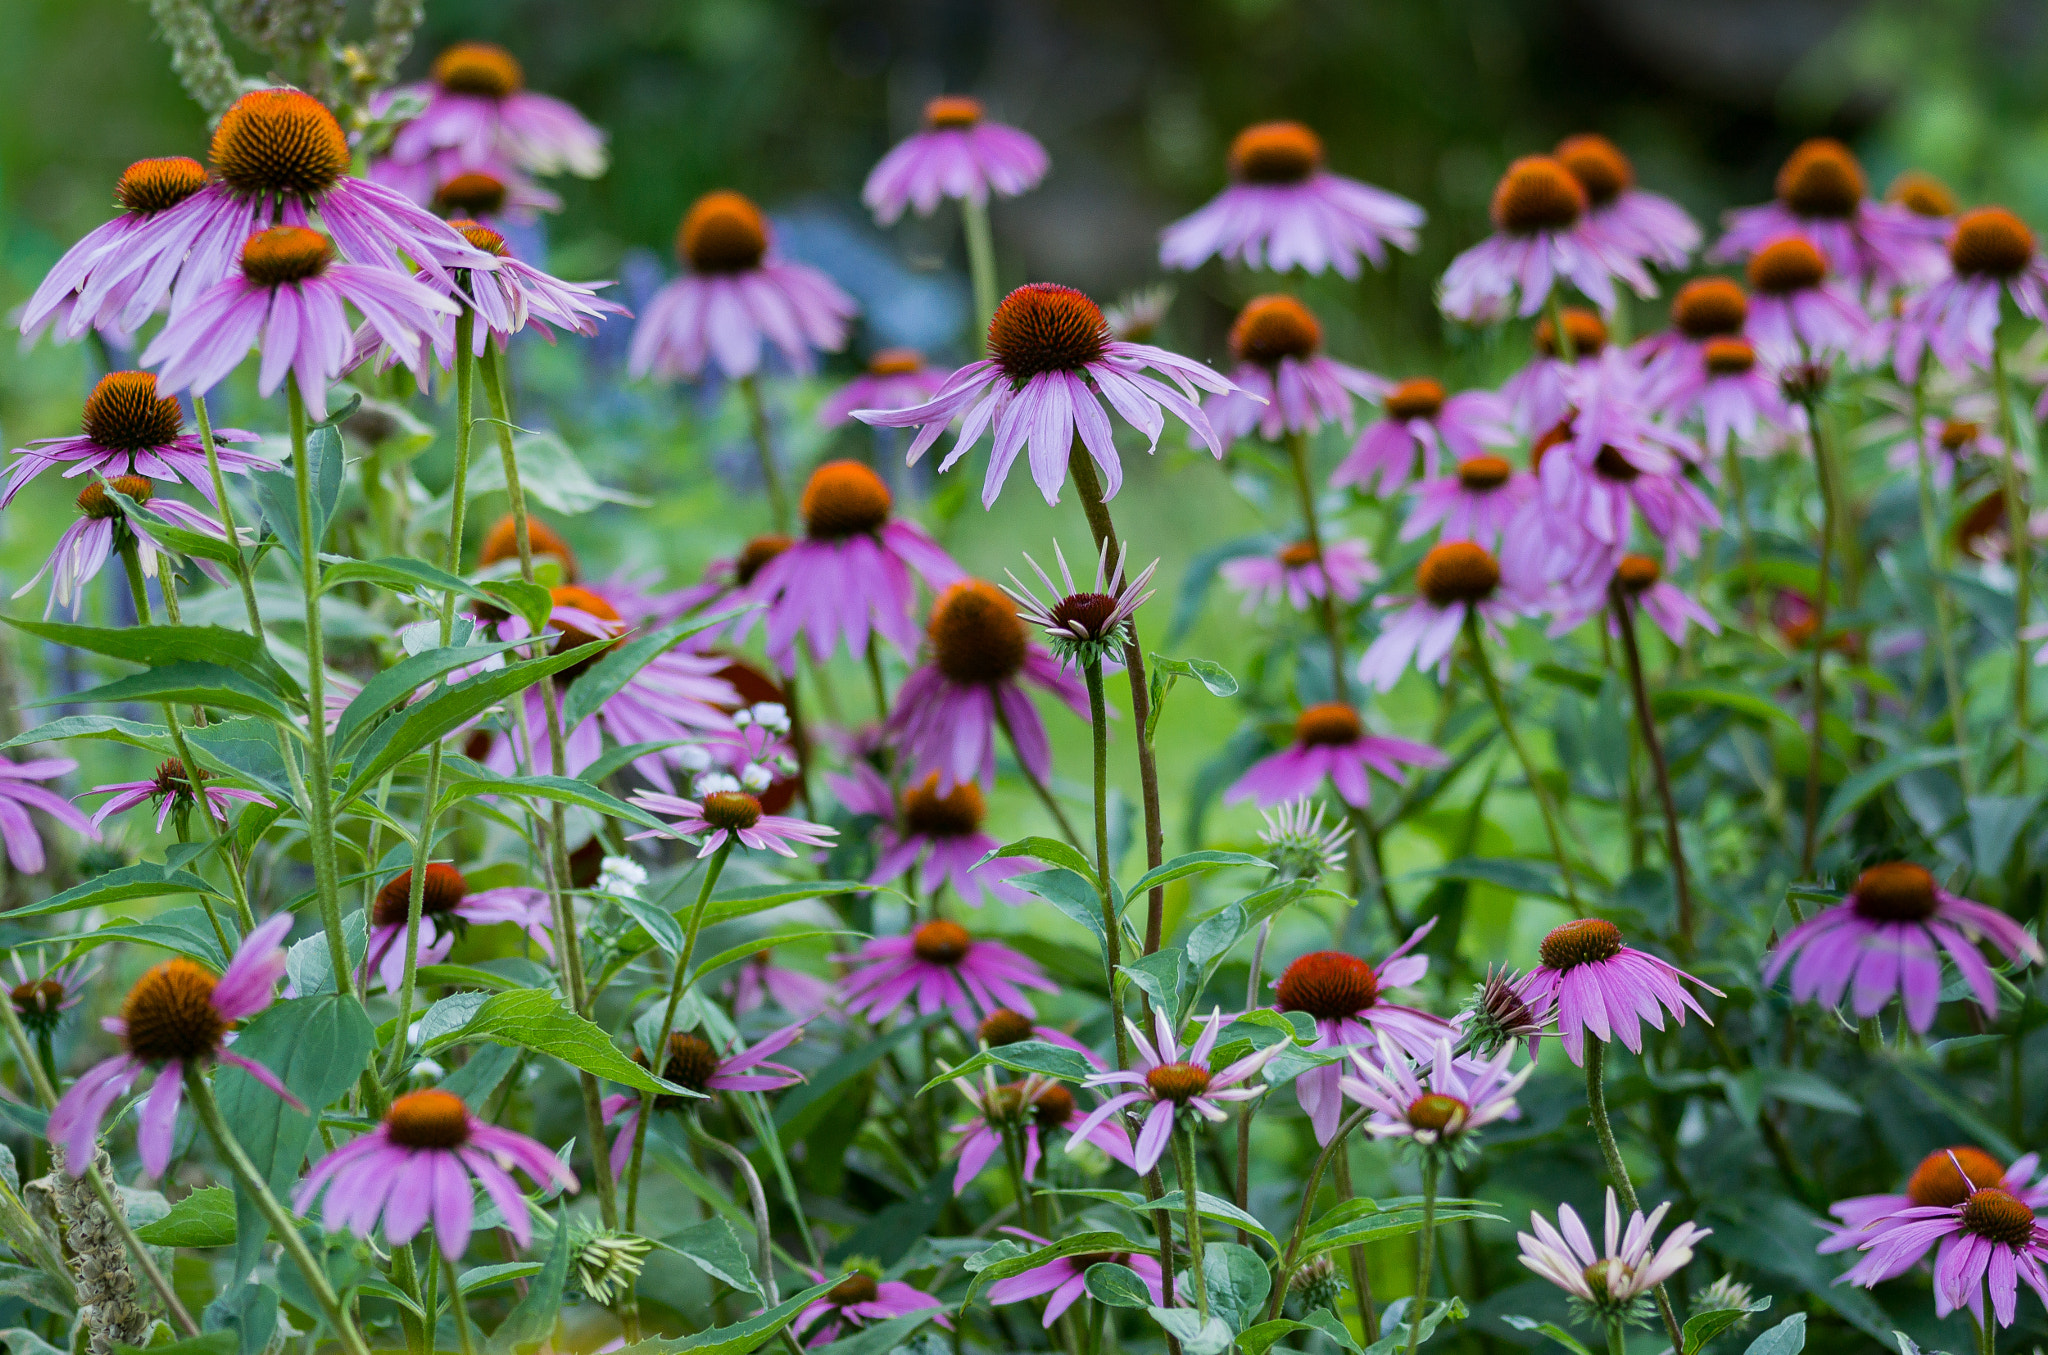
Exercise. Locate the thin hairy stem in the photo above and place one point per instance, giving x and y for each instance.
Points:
(1674, 847)
(1541, 792)
(981, 263)
(1610, 1152)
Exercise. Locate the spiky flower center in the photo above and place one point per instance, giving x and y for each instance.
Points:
(844, 499)
(1957, 434)
(1785, 266)
(1599, 166)
(574, 636)
(1178, 1082)
(691, 1060)
(1586, 330)
(1895, 891)
(1053, 1106)
(1922, 194)
(1997, 1216)
(895, 362)
(1086, 618)
(731, 810)
(442, 888)
(1990, 242)
(1300, 555)
(430, 1118)
(279, 141)
(159, 183)
(1438, 1113)
(1537, 194)
(1483, 473)
(125, 413)
(941, 942)
(1419, 397)
(1728, 357)
(855, 1288)
(95, 502)
(757, 553)
(957, 813)
(1044, 327)
(1588, 940)
(1457, 572)
(1329, 985)
(1004, 1026)
(723, 233)
(1272, 328)
(478, 68)
(1822, 179)
(501, 543)
(481, 237)
(952, 112)
(1611, 463)
(171, 779)
(1637, 573)
(472, 193)
(281, 254)
(37, 997)
(976, 637)
(1936, 1184)
(1275, 153)
(1332, 722)
(1706, 308)
(169, 1014)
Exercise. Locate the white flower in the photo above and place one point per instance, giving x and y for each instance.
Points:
(1457, 1097)
(621, 877)
(754, 778)
(1613, 1279)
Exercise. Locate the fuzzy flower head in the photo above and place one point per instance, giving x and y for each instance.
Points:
(448, 906)
(1646, 226)
(1541, 236)
(1944, 1179)
(1824, 197)
(479, 111)
(1284, 210)
(177, 1016)
(1285, 383)
(1299, 575)
(1422, 425)
(1051, 363)
(943, 967)
(1886, 938)
(1298, 844)
(1439, 1107)
(129, 428)
(1171, 1082)
(1330, 742)
(959, 153)
(1084, 626)
(1614, 1282)
(1591, 982)
(1034, 1108)
(422, 1161)
(1990, 1239)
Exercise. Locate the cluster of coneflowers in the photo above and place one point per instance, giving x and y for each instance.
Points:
(1583, 489)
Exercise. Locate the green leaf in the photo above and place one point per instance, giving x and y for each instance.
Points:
(485, 1277)
(205, 1218)
(741, 1337)
(212, 1343)
(1207, 1205)
(550, 475)
(1068, 892)
(1257, 1340)
(538, 1019)
(532, 1319)
(1377, 1226)
(1077, 1244)
(533, 602)
(1166, 978)
(399, 573)
(1117, 1285)
(110, 728)
(881, 1337)
(612, 672)
(277, 493)
(1701, 1328)
(1238, 1283)
(1861, 785)
(35, 1287)
(1051, 851)
(1394, 1324)
(249, 1311)
(1194, 863)
(183, 540)
(186, 684)
(1196, 1336)
(1684, 696)
(1025, 1056)
(144, 880)
(716, 1249)
(1165, 672)
(1787, 1338)
(1520, 877)
(480, 1073)
(563, 789)
(309, 963)
(728, 904)
(756, 945)
(400, 681)
(798, 1110)
(155, 646)
(184, 931)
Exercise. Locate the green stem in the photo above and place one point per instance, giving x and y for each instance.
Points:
(227, 515)
(1333, 630)
(1112, 925)
(1361, 1278)
(2022, 563)
(756, 1197)
(1625, 620)
(461, 1307)
(771, 477)
(1934, 543)
(1333, 1150)
(1566, 348)
(1617, 1338)
(881, 687)
(1038, 786)
(1425, 1249)
(1610, 1152)
(1184, 1166)
(981, 263)
(1537, 789)
(1810, 842)
(430, 1302)
(280, 1219)
(1987, 1330)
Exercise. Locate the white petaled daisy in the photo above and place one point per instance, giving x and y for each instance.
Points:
(1084, 625)
(1612, 1282)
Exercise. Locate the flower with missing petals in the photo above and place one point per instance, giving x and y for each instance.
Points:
(1439, 1106)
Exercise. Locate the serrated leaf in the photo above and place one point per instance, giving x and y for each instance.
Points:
(716, 1250)
(154, 646)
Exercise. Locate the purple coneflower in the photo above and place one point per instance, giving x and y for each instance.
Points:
(1989, 1240)
(896, 378)
(1297, 575)
(1703, 310)
(19, 794)
(854, 574)
(1536, 395)
(944, 968)
(947, 711)
(1647, 226)
(1034, 1107)
(1475, 502)
(1822, 196)
(1064, 1279)
(41, 998)
(937, 835)
(759, 981)
(1051, 363)
(735, 297)
(87, 544)
(419, 1163)
(447, 905)
(1734, 397)
(176, 1016)
(1330, 741)
(1438, 1110)
(1084, 626)
(958, 153)
(1421, 421)
(1991, 256)
(515, 295)
(288, 298)
(858, 1300)
(732, 815)
(493, 191)
(1595, 983)
(478, 106)
(1640, 579)
(694, 1062)
(1456, 579)
(1541, 234)
(171, 788)
(1004, 1026)
(1285, 384)
(1798, 309)
(1347, 998)
(1284, 210)
(1886, 936)
(1173, 1081)
(130, 429)
(1944, 1179)
(1614, 1281)
(1949, 444)
(117, 276)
